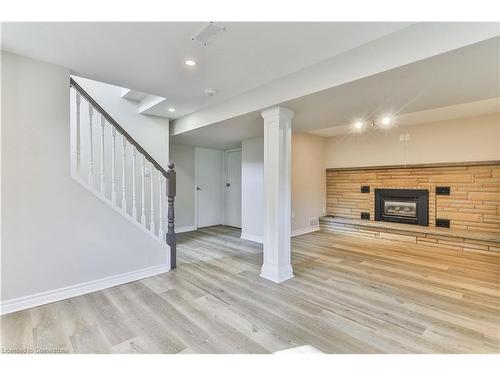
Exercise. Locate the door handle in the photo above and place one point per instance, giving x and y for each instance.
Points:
(198, 188)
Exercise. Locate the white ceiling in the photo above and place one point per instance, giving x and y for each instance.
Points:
(447, 81)
(224, 135)
(148, 57)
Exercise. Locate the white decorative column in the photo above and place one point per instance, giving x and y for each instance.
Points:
(277, 265)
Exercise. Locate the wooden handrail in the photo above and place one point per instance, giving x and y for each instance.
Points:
(113, 122)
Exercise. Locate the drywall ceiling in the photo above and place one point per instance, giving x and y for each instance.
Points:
(148, 56)
(450, 80)
(225, 135)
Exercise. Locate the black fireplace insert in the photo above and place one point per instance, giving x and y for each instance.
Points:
(409, 206)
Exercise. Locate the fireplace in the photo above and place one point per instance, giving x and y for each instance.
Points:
(409, 206)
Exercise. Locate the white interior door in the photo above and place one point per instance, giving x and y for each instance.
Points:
(232, 190)
(209, 174)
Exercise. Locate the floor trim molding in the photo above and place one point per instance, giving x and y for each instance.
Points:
(300, 231)
(188, 228)
(33, 300)
(296, 232)
(251, 237)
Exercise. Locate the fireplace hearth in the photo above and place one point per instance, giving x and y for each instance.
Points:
(408, 206)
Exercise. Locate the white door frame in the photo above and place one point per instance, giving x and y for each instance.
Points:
(224, 182)
(196, 184)
(195, 187)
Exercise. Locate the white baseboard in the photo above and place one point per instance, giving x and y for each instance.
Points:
(185, 229)
(251, 237)
(296, 232)
(22, 303)
(300, 231)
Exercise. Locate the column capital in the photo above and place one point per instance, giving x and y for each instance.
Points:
(278, 111)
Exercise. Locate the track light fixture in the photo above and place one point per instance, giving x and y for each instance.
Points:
(384, 122)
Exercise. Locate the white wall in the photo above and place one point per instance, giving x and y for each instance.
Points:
(308, 181)
(458, 140)
(252, 189)
(55, 234)
(183, 158)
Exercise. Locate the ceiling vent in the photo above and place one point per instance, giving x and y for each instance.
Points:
(208, 33)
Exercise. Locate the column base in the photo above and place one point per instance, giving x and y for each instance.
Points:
(277, 275)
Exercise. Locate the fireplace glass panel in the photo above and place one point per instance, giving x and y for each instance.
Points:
(399, 207)
(408, 206)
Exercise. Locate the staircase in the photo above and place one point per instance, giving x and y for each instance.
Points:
(109, 163)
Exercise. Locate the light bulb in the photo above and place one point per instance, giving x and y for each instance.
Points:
(386, 120)
(189, 62)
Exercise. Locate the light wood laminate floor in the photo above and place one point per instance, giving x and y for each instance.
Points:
(349, 295)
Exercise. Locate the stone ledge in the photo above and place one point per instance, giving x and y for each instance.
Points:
(461, 240)
(405, 166)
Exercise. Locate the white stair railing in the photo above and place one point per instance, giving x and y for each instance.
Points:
(152, 203)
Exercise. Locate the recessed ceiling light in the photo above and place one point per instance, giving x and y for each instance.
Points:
(358, 124)
(386, 120)
(210, 92)
(171, 109)
(189, 62)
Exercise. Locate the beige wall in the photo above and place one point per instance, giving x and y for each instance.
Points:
(308, 179)
(458, 140)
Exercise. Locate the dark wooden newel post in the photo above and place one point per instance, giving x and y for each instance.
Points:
(171, 241)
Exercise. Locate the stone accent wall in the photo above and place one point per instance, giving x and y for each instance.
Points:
(474, 202)
(460, 240)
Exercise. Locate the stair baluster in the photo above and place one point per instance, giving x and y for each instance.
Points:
(102, 187)
(124, 197)
(160, 197)
(78, 136)
(143, 208)
(134, 203)
(113, 167)
(151, 195)
(91, 148)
